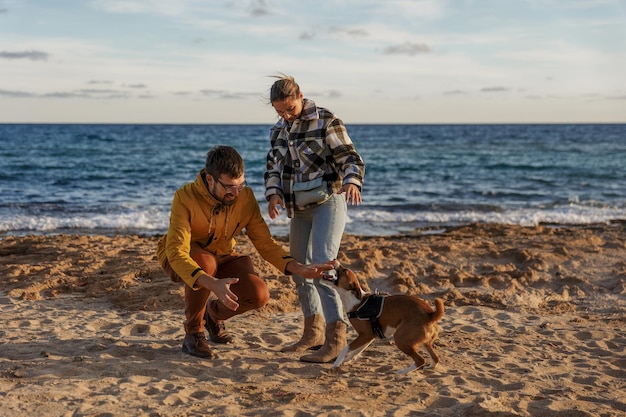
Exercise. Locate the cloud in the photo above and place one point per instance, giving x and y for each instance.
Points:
(86, 93)
(32, 55)
(99, 82)
(258, 8)
(15, 94)
(227, 95)
(3, 11)
(211, 92)
(89, 94)
(407, 48)
(497, 89)
(165, 8)
(354, 33)
(306, 36)
(454, 93)
(98, 91)
(65, 95)
(137, 86)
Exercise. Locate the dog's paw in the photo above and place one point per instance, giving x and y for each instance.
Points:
(407, 370)
(334, 370)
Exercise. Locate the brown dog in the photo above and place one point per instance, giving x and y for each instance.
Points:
(410, 320)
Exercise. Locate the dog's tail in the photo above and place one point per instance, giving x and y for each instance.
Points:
(438, 313)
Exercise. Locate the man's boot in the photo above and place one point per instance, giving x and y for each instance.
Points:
(335, 341)
(216, 328)
(312, 337)
(195, 344)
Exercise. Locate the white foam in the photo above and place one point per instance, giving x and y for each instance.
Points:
(362, 220)
(148, 221)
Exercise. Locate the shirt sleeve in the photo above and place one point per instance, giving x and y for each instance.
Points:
(347, 159)
(178, 243)
(274, 161)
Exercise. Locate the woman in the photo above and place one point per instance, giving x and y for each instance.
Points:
(311, 165)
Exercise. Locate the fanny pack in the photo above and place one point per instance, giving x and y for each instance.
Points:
(310, 192)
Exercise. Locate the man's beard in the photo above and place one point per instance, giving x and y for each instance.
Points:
(222, 200)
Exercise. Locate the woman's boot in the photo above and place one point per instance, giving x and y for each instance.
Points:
(312, 337)
(335, 341)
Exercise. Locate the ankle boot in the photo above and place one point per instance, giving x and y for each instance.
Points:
(312, 337)
(195, 344)
(216, 328)
(335, 341)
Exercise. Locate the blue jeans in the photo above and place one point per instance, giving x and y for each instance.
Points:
(314, 237)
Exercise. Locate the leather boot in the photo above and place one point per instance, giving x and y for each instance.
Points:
(312, 337)
(195, 344)
(216, 328)
(335, 341)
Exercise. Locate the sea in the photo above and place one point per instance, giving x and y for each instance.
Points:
(120, 179)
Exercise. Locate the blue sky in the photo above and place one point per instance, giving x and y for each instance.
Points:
(370, 61)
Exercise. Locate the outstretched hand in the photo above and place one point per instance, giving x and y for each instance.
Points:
(310, 270)
(221, 289)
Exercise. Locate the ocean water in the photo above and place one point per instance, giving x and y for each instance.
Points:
(121, 178)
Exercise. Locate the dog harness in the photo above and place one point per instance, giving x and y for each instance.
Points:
(370, 309)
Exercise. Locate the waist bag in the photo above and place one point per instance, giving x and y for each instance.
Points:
(310, 192)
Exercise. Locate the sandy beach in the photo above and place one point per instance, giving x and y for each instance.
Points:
(535, 325)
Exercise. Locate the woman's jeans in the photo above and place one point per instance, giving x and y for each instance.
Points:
(314, 237)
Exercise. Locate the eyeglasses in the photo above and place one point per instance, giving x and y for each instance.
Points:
(232, 188)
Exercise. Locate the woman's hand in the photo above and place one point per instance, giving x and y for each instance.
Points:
(353, 194)
(273, 206)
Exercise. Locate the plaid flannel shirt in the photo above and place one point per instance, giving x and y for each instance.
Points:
(316, 144)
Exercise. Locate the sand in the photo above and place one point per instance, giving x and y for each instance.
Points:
(535, 325)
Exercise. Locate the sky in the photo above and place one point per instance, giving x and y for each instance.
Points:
(368, 61)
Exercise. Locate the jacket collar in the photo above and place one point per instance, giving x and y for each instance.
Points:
(202, 188)
(309, 112)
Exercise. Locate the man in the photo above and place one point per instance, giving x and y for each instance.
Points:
(199, 250)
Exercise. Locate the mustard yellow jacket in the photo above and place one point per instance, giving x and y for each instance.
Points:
(199, 218)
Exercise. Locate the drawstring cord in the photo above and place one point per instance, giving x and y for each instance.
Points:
(214, 213)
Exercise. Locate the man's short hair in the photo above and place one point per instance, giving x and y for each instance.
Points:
(224, 159)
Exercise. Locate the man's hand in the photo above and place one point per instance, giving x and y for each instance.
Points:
(221, 289)
(311, 270)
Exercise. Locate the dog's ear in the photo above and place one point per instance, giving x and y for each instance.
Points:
(355, 284)
(351, 275)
